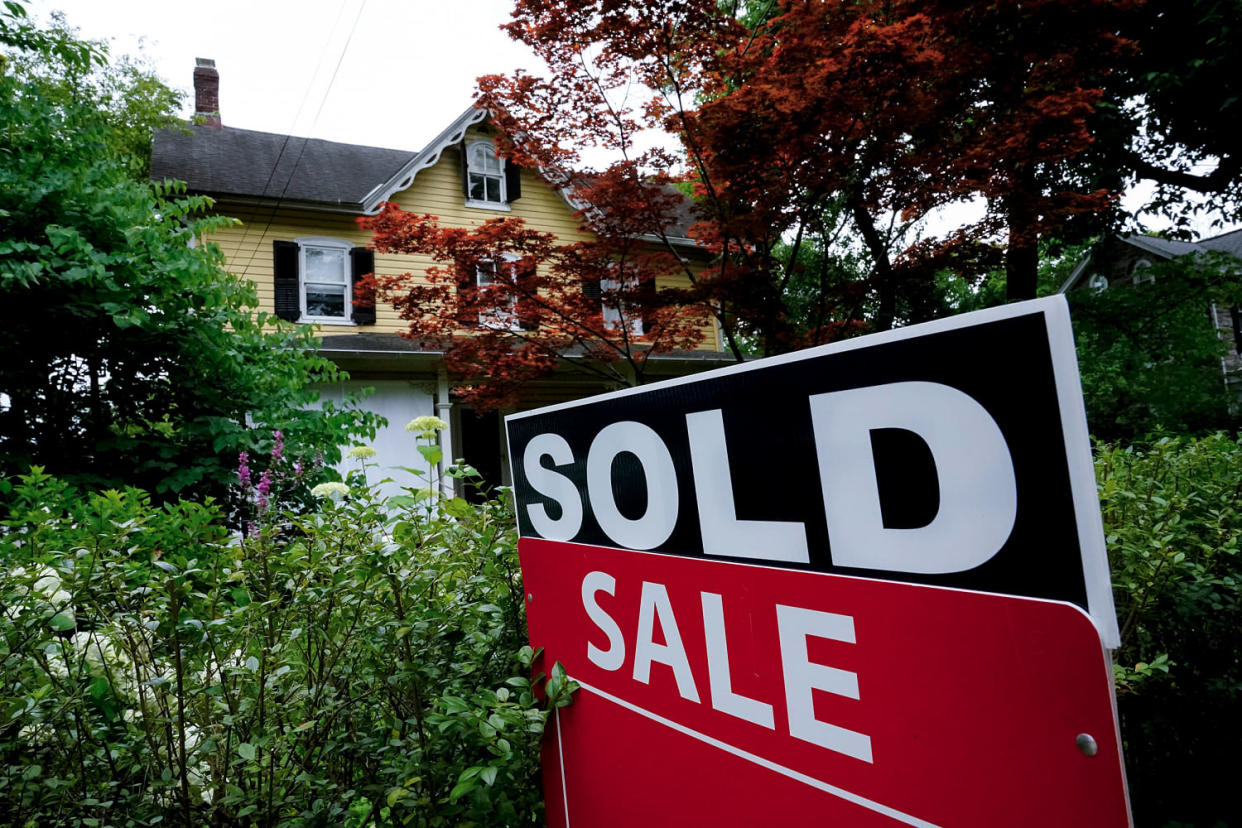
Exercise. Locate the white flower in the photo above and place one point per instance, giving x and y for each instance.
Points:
(330, 491)
(360, 452)
(426, 426)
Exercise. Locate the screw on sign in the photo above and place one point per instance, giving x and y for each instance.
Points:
(894, 611)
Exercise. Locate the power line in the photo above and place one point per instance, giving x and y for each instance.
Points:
(314, 122)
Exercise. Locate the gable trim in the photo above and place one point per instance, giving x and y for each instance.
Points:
(427, 157)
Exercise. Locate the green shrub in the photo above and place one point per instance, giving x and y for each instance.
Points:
(363, 663)
(1173, 517)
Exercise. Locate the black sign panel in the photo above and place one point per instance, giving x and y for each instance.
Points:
(951, 454)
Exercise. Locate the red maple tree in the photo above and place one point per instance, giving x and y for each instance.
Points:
(785, 113)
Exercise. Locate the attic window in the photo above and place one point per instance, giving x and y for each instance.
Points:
(1098, 282)
(485, 176)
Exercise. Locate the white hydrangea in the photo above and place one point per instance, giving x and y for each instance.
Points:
(360, 452)
(426, 426)
(330, 491)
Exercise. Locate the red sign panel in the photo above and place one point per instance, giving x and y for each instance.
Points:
(717, 693)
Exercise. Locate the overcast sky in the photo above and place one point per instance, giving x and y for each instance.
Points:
(389, 73)
(406, 71)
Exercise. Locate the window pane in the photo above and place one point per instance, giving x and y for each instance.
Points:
(493, 189)
(483, 157)
(325, 264)
(477, 191)
(323, 300)
(486, 272)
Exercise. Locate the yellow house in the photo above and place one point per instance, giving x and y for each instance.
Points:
(297, 240)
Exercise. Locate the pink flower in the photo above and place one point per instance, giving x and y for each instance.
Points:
(264, 488)
(279, 450)
(243, 469)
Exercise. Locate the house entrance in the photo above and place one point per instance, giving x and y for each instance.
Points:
(482, 447)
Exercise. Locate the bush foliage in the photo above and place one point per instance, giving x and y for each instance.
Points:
(359, 664)
(1173, 514)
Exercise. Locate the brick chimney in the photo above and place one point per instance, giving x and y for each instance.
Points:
(206, 92)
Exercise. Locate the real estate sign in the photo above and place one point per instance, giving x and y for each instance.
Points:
(864, 582)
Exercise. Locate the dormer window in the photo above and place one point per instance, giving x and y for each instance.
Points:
(1141, 273)
(489, 182)
(486, 175)
(1097, 283)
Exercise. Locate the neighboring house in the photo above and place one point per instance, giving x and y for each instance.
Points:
(297, 200)
(1127, 261)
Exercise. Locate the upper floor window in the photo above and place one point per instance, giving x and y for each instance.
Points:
(496, 279)
(1141, 273)
(486, 174)
(315, 277)
(617, 316)
(1098, 282)
(326, 287)
(487, 180)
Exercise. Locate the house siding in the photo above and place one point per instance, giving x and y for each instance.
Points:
(247, 247)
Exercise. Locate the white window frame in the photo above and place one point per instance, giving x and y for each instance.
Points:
(325, 243)
(472, 170)
(613, 315)
(502, 319)
(1097, 282)
(1141, 273)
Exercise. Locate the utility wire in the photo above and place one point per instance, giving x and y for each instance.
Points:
(314, 122)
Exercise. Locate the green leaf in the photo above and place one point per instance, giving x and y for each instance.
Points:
(432, 454)
(62, 621)
(246, 751)
(488, 775)
(458, 508)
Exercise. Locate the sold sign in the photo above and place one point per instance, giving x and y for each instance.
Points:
(845, 571)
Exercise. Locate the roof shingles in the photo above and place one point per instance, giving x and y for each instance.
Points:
(242, 162)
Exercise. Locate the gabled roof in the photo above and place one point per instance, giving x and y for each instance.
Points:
(263, 165)
(327, 175)
(1230, 242)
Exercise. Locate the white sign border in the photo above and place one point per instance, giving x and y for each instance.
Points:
(1084, 493)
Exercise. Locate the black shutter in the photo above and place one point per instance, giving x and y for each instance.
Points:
(592, 291)
(527, 303)
(513, 181)
(467, 285)
(647, 294)
(465, 170)
(362, 263)
(285, 268)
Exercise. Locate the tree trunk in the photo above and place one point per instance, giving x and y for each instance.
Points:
(881, 270)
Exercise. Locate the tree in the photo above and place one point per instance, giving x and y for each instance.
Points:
(510, 303)
(129, 354)
(123, 94)
(789, 115)
(1150, 355)
(1176, 108)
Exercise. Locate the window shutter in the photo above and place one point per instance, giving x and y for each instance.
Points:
(527, 308)
(647, 292)
(513, 181)
(288, 291)
(362, 263)
(592, 291)
(467, 291)
(465, 169)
